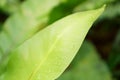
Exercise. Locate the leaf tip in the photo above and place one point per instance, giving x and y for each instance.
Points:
(101, 10)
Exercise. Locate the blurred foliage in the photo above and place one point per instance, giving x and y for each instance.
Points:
(115, 53)
(90, 4)
(105, 36)
(9, 6)
(0, 26)
(114, 58)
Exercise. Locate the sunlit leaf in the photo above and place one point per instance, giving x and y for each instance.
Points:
(48, 53)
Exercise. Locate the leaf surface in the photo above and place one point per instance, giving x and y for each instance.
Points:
(48, 53)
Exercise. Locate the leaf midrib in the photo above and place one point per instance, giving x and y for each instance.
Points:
(48, 53)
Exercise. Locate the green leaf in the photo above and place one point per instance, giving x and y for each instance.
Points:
(23, 24)
(87, 65)
(48, 53)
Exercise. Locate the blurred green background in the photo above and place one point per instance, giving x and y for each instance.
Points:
(99, 56)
